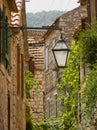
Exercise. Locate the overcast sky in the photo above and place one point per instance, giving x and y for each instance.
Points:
(48, 5)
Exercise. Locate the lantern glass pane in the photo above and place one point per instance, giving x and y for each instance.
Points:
(61, 57)
(60, 45)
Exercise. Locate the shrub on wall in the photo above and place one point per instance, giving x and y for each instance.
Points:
(69, 87)
(88, 45)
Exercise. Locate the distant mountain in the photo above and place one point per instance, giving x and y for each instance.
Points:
(42, 18)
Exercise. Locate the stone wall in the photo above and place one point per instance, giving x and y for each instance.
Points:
(36, 53)
(12, 104)
(69, 22)
(37, 97)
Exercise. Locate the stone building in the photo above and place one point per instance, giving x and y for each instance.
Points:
(13, 54)
(68, 22)
(36, 66)
(91, 7)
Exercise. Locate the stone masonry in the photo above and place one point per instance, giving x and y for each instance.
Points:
(68, 22)
(36, 53)
(12, 85)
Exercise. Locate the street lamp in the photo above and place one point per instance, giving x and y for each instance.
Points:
(61, 53)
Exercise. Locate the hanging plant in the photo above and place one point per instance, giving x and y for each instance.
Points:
(89, 95)
(30, 83)
(70, 85)
(88, 45)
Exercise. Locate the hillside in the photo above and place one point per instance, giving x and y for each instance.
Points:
(42, 18)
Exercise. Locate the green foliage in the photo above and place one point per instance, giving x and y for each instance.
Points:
(47, 124)
(86, 48)
(52, 124)
(70, 85)
(89, 95)
(31, 124)
(30, 83)
(42, 18)
(88, 52)
(88, 45)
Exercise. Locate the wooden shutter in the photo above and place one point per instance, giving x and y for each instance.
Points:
(31, 66)
(89, 11)
(96, 8)
(5, 40)
(48, 108)
(7, 46)
(18, 69)
(3, 34)
(83, 2)
(22, 75)
(84, 22)
(8, 110)
(0, 33)
(47, 58)
(55, 105)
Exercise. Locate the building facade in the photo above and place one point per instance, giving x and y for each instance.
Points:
(91, 19)
(68, 22)
(12, 65)
(36, 66)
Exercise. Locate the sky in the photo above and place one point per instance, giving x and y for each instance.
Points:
(49, 5)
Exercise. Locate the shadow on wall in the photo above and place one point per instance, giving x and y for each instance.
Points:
(1, 125)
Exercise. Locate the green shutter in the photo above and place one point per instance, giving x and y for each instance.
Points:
(0, 34)
(3, 34)
(5, 41)
(8, 51)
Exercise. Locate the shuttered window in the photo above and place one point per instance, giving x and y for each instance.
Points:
(22, 76)
(89, 11)
(96, 8)
(5, 40)
(31, 65)
(0, 34)
(84, 22)
(83, 2)
(55, 105)
(48, 108)
(8, 110)
(18, 69)
(47, 58)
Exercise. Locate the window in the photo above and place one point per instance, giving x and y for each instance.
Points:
(31, 65)
(0, 34)
(22, 75)
(83, 2)
(89, 11)
(83, 22)
(55, 106)
(8, 110)
(46, 58)
(48, 108)
(18, 69)
(5, 40)
(96, 8)
(53, 59)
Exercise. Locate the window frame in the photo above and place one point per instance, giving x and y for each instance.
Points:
(46, 58)
(5, 41)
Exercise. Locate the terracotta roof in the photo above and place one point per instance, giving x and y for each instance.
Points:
(16, 17)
